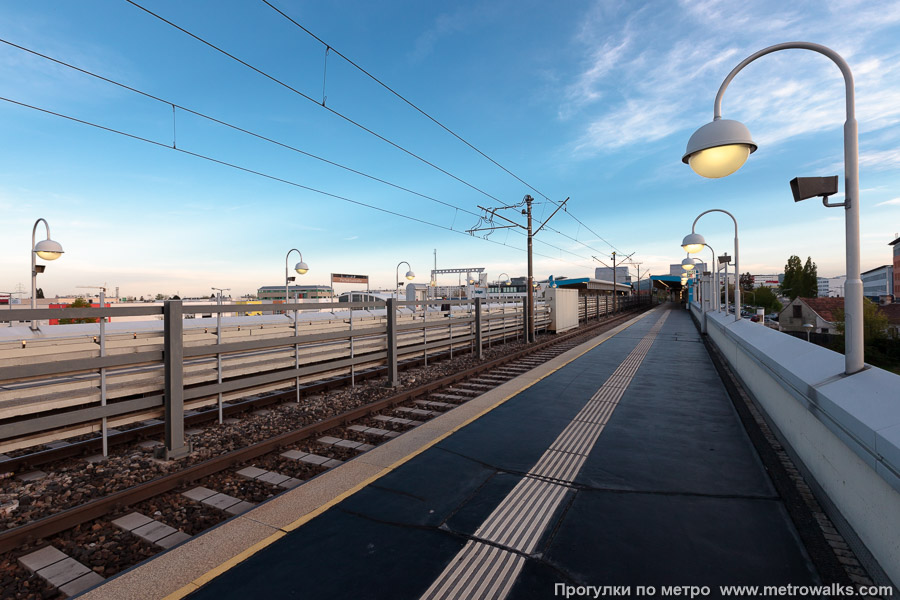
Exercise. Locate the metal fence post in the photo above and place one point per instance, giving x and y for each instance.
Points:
(490, 325)
(450, 327)
(173, 354)
(471, 308)
(525, 319)
(425, 330)
(352, 366)
(219, 398)
(103, 422)
(478, 351)
(393, 378)
(296, 348)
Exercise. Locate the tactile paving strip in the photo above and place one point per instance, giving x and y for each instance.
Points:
(514, 528)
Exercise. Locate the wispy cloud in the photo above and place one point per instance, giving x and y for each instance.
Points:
(880, 159)
(647, 80)
(451, 23)
(892, 202)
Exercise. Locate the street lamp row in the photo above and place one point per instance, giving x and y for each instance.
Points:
(721, 147)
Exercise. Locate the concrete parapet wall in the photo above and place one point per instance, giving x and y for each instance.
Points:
(845, 430)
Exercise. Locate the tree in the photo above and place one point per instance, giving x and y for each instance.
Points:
(79, 303)
(875, 322)
(175, 297)
(746, 282)
(810, 280)
(766, 299)
(142, 299)
(793, 278)
(39, 293)
(799, 279)
(160, 297)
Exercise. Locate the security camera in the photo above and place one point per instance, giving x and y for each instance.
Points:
(810, 187)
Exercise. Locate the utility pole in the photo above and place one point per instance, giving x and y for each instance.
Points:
(638, 265)
(615, 285)
(490, 213)
(530, 322)
(614, 277)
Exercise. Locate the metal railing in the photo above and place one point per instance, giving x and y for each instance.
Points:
(597, 307)
(66, 387)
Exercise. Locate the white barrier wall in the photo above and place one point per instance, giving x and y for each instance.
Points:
(846, 430)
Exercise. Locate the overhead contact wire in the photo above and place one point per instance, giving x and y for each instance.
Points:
(314, 101)
(254, 172)
(269, 140)
(350, 61)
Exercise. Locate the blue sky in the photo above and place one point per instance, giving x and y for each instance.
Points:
(589, 100)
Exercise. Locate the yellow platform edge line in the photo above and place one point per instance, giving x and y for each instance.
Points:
(244, 555)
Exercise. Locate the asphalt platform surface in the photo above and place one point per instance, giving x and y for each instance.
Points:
(670, 492)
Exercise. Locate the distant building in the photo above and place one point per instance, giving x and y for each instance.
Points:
(878, 282)
(606, 274)
(896, 285)
(303, 292)
(831, 287)
(769, 281)
(516, 285)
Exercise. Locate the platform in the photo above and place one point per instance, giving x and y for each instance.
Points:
(619, 463)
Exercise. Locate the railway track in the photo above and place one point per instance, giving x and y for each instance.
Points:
(106, 532)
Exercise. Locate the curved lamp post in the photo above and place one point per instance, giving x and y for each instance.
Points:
(301, 268)
(688, 265)
(46, 249)
(694, 242)
(409, 276)
(720, 148)
(714, 303)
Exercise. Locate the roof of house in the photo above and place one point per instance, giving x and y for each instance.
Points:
(893, 313)
(825, 307)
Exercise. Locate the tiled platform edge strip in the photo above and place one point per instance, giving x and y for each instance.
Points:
(487, 566)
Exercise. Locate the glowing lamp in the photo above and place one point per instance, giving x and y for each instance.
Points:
(719, 148)
(48, 249)
(693, 243)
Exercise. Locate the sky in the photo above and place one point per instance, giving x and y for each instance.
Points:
(591, 101)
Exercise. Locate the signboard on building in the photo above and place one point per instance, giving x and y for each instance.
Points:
(81, 320)
(345, 278)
